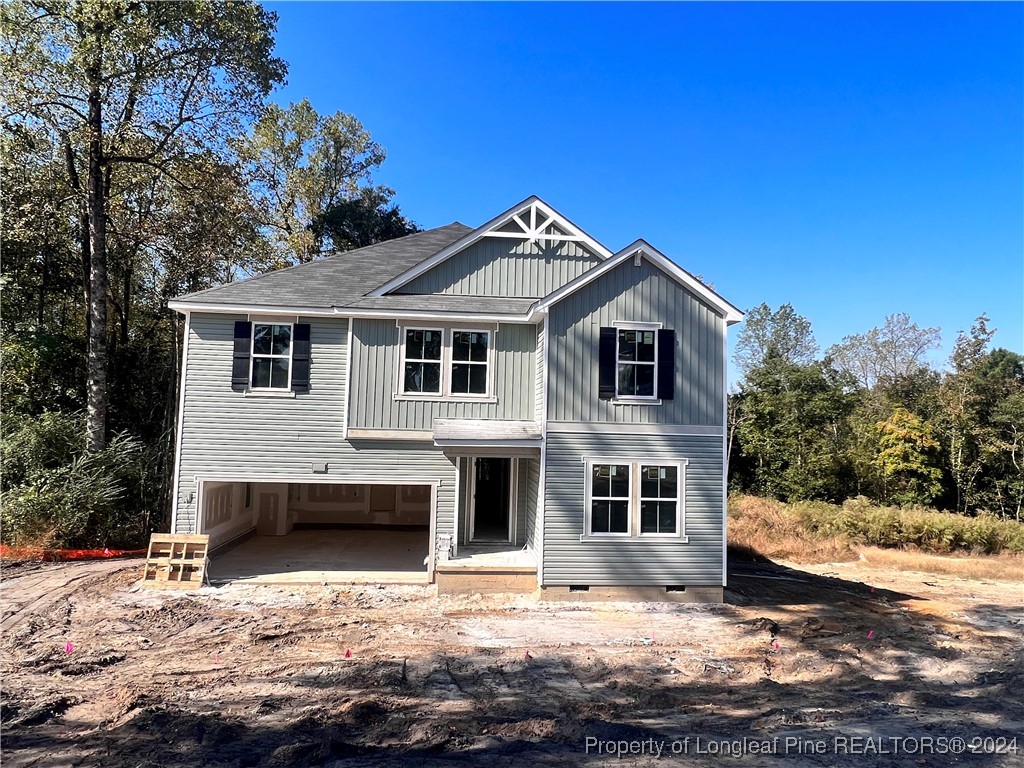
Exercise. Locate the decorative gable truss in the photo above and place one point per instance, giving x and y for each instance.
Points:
(532, 221)
(538, 224)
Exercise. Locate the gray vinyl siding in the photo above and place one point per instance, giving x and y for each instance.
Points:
(498, 266)
(635, 294)
(228, 434)
(632, 561)
(532, 471)
(522, 501)
(465, 502)
(375, 358)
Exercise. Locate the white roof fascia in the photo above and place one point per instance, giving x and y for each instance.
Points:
(411, 314)
(481, 232)
(680, 275)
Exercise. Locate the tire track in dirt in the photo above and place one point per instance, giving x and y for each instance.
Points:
(36, 591)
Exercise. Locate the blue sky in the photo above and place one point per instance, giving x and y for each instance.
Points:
(853, 160)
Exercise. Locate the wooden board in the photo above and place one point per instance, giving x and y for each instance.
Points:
(176, 561)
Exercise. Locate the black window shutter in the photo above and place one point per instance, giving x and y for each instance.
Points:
(240, 364)
(666, 364)
(606, 373)
(300, 358)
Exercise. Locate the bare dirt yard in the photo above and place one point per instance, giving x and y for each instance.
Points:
(811, 665)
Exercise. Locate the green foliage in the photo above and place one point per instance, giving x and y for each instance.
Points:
(939, 532)
(303, 165)
(908, 459)
(57, 494)
(795, 429)
(879, 422)
(363, 220)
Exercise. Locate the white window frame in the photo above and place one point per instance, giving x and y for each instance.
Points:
(403, 333)
(590, 498)
(445, 392)
(625, 398)
(634, 500)
(680, 497)
(253, 354)
(488, 378)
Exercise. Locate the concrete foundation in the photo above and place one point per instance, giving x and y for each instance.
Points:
(636, 594)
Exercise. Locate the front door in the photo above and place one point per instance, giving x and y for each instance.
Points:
(491, 507)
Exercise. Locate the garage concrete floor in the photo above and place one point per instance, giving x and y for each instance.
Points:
(327, 556)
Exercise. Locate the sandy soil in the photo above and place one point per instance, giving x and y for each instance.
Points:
(361, 676)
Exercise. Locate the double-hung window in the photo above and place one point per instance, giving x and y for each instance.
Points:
(659, 499)
(422, 370)
(446, 363)
(635, 498)
(469, 362)
(610, 488)
(637, 362)
(271, 366)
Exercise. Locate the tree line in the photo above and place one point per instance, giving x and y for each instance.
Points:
(142, 159)
(873, 417)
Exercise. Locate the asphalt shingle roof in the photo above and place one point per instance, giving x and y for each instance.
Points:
(446, 302)
(338, 280)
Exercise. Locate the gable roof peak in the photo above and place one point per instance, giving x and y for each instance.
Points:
(658, 259)
(531, 220)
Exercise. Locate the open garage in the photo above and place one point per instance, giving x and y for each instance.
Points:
(292, 533)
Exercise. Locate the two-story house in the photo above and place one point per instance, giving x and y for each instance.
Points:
(508, 405)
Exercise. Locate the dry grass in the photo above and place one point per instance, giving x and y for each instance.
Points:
(824, 533)
(998, 567)
(764, 528)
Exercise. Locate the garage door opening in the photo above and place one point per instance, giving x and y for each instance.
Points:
(295, 533)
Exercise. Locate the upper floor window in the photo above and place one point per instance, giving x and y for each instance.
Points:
(636, 363)
(271, 356)
(422, 371)
(469, 362)
(439, 363)
(637, 356)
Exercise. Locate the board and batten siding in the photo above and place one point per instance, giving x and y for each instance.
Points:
(231, 435)
(499, 266)
(632, 561)
(635, 294)
(375, 358)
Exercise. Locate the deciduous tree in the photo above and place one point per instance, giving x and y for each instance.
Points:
(782, 334)
(120, 83)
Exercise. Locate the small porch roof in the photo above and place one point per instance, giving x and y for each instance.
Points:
(486, 433)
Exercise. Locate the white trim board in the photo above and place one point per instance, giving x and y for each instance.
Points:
(178, 425)
(613, 428)
(309, 480)
(416, 435)
(533, 204)
(343, 313)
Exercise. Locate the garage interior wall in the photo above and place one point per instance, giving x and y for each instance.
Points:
(233, 509)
